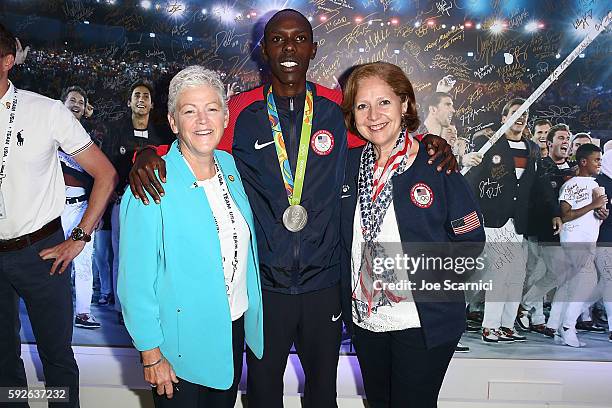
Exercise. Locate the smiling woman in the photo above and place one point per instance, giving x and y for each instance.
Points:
(401, 201)
(198, 116)
(166, 290)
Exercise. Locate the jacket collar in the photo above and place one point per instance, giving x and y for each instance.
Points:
(188, 179)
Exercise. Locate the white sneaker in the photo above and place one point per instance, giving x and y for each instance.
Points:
(86, 321)
(460, 348)
(570, 337)
(489, 335)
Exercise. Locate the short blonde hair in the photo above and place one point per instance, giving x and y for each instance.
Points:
(190, 77)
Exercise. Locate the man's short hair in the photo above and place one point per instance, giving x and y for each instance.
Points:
(581, 135)
(555, 129)
(142, 82)
(434, 99)
(267, 26)
(76, 89)
(511, 103)
(8, 43)
(541, 122)
(584, 151)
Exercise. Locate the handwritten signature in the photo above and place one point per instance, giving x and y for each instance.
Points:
(489, 188)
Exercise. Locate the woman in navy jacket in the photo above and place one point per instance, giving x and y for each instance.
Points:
(395, 206)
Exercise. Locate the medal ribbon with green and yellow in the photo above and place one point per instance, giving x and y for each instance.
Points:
(293, 186)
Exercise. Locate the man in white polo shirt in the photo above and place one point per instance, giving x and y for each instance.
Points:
(33, 252)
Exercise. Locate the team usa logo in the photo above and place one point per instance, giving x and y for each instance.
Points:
(421, 195)
(322, 142)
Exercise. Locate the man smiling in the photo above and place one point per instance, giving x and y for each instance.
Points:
(290, 145)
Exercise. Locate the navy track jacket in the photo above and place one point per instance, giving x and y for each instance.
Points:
(292, 262)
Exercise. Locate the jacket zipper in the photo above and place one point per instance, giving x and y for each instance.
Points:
(296, 235)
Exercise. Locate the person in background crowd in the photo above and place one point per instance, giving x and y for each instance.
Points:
(33, 250)
(543, 240)
(503, 183)
(438, 121)
(166, 292)
(103, 259)
(578, 139)
(450, 135)
(127, 136)
(78, 189)
(298, 235)
(579, 199)
(395, 332)
(440, 111)
(540, 130)
(103, 250)
(603, 258)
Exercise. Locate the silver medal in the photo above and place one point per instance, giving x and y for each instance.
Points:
(295, 218)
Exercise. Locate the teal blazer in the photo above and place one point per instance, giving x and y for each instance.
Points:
(171, 283)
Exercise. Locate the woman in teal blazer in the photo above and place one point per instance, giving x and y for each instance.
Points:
(189, 278)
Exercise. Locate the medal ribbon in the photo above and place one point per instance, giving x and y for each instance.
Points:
(292, 186)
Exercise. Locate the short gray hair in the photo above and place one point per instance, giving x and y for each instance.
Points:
(193, 76)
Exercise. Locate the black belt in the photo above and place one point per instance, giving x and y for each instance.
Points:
(74, 200)
(26, 240)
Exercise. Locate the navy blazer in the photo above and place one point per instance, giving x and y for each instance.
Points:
(442, 315)
(500, 195)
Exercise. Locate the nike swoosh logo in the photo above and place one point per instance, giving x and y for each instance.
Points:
(335, 318)
(345, 196)
(261, 146)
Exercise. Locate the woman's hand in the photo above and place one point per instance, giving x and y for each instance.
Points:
(142, 176)
(160, 376)
(437, 148)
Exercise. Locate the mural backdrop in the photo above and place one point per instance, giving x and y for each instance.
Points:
(492, 49)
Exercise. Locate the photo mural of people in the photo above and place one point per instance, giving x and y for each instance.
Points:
(465, 59)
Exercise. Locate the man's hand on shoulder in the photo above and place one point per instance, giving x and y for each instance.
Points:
(142, 176)
(437, 148)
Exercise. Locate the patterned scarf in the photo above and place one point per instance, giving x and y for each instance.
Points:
(375, 191)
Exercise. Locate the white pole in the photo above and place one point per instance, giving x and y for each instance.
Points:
(591, 35)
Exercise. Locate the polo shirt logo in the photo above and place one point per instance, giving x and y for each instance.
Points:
(20, 139)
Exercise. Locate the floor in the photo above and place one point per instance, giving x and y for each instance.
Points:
(537, 347)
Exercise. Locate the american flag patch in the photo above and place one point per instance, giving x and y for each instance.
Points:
(466, 224)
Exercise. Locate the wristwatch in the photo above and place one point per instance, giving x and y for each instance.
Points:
(78, 234)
